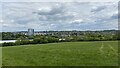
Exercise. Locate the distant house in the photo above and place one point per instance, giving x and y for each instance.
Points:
(61, 39)
(39, 33)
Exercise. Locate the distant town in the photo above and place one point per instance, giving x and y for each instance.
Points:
(62, 33)
(80, 35)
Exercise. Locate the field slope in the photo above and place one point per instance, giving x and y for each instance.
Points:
(63, 54)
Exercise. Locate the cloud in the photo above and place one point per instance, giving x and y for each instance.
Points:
(78, 21)
(98, 9)
(55, 13)
(50, 10)
(59, 16)
(60, 1)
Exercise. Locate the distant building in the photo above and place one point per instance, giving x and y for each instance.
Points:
(23, 32)
(39, 33)
(30, 32)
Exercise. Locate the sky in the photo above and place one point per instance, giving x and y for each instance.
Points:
(42, 16)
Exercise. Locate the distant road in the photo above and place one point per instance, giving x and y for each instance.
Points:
(2, 41)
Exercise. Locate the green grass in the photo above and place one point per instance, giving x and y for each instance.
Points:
(63, 54)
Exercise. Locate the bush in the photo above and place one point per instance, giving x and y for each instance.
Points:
(39, 41)
(51, 40)
(8, 44)
(23, 42)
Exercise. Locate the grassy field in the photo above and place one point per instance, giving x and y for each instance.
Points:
(63, 54)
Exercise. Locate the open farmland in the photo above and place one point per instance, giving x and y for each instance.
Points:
(98, 53)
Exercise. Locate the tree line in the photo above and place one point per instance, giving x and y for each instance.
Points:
(42, 39)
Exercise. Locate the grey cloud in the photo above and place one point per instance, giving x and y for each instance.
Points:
(98, 9)
(54, 10)
(115, 16)
(58, 17)
(55, 14)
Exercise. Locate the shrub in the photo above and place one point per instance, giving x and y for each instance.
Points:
(23, 42)
(40, 41)
(8, 44)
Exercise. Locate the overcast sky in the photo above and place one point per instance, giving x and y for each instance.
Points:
(18, 16)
